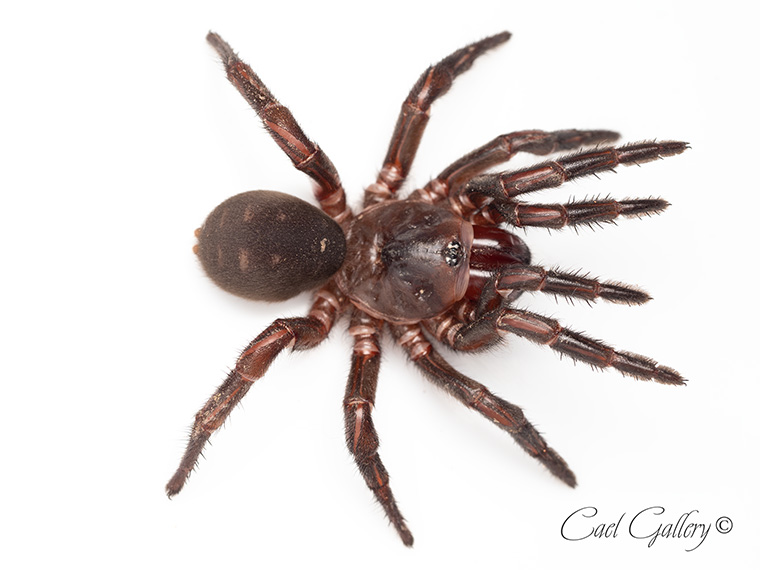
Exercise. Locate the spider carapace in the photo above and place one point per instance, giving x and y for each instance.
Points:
(436, 266)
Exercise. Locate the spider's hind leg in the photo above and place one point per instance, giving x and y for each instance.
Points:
(296, 333)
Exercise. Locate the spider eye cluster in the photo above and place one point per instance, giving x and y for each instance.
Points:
(453, 253)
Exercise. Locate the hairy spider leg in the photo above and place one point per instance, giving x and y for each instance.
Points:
(474, 395)
(361, 437)
(488, 199)
(503, 148)
(283, 128)
(415, 113)
(470, 326)
(566, 284)
(544, 330)
(465, 328)
(297, 333)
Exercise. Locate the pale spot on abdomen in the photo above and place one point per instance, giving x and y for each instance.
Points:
(243, 260)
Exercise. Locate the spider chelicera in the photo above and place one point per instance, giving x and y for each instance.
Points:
(435, 264)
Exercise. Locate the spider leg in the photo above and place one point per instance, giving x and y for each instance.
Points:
(503, 148)
(567, 284)
(415, 113)
(361, 437)
(477, 397)
(488, 329)
(544, 330)
(489, 198)
(283, 128)
(296, 333)
(471, 326)
(557, 216)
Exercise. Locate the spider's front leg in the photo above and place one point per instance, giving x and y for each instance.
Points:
(488, 199)
(503, 148)
(296, 333)
(282, 126)
(361, 436)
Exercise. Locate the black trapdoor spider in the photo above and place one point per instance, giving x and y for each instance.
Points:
(435, 264)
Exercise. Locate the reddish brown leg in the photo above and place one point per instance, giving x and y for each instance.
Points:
(500, 150)
(283, 128)
(471, 326)
(488, 198)
(296, 333)
(557, 216)
(415, 112)
(544, 330)
(475, 396)
(569, 285)
(361, 436)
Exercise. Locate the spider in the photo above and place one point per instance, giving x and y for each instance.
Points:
(435, 266)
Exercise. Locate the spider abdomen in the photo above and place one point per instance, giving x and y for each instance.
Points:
(269, 246)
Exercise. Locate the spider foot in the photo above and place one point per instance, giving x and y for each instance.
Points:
(555, 464)
(394, 515)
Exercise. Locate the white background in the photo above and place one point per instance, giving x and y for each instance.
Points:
(120, 133)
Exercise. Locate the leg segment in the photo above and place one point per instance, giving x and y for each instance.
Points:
(283, 128)
(415, 112)
(544, 330)
(501, 149)
(361, 436)
(491, 195)
(296, 333)
(475, 396)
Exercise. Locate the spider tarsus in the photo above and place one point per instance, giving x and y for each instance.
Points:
(406, 536)
(571, 139)
(222, 48)
(558, 467)
(175, 484)
(604, 136)
(623, 294)
(493, 41)
(198, 438)
(666, 375)
(646, 151)
(642, 207)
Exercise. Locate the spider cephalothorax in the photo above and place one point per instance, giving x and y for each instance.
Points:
(436, 264)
